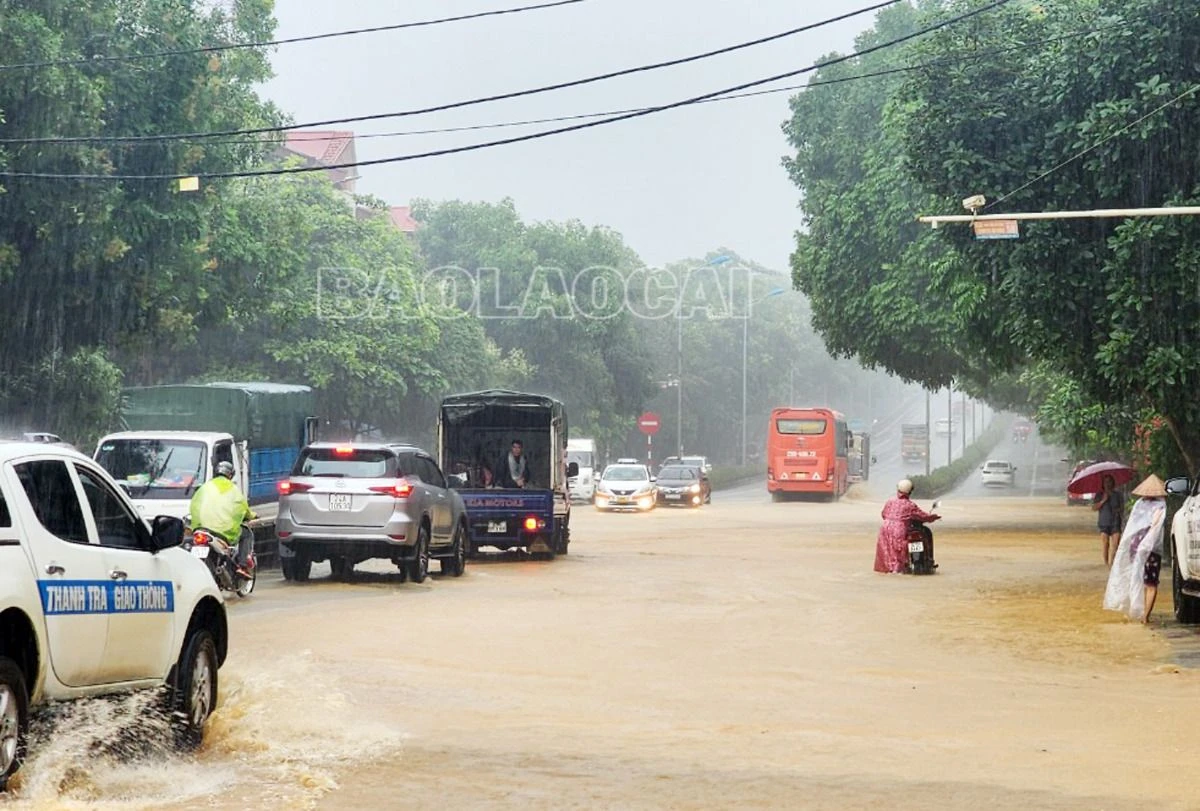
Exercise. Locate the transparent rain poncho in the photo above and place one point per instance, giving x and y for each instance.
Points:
(1143, 535)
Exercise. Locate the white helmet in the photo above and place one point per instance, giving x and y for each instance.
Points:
(904, 486)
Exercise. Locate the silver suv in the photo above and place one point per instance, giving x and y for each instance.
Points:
(351, 502)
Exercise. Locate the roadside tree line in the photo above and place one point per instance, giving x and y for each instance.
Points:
(1093, 324)
(109, 283)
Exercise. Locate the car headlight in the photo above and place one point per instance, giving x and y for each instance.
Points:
(695, 488)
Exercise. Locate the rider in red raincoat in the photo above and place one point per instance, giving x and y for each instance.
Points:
(891, 549)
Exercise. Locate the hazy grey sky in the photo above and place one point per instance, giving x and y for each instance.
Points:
(675, 184)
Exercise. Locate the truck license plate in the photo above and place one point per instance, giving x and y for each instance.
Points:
(497, 526)
(340, 502)
(916, 546)
(200, 551)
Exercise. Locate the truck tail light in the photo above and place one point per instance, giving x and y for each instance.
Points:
(287, 487)
(401, 489)
(532, 523)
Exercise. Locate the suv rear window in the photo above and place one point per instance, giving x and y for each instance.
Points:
(350, 463)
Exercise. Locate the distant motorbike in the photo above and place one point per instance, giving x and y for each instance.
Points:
(219, 556)
(920, 547)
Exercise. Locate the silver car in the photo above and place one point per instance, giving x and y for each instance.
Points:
(351, 502)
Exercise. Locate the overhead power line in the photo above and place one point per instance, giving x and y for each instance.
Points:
(459, 104)
(320, 137)
(203, 49)
(532, 136)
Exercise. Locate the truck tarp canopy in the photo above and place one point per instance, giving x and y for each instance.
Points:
(265, 414)
(477, 430)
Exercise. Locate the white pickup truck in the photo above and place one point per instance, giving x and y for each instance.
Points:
(95, 599)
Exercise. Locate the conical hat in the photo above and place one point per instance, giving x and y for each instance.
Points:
(1152, 487)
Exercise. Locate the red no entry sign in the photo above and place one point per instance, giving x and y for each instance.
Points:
(648, 423)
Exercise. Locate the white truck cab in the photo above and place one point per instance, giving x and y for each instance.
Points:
(582, 486)
(161, 470)
(96, 599)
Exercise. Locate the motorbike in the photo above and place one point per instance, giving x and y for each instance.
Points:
(220, 558)
(920, 547)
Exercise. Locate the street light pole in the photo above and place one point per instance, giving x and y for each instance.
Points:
(746, 350)
(745, 355)
(714, 262)
(679, 377)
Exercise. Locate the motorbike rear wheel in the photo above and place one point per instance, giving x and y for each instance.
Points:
(245, 586)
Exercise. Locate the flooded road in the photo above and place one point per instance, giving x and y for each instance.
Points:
(742, 655)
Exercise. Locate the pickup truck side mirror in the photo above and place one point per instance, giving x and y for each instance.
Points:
(572, 470)
(1178, 486)
(165, 532)
(653, 478)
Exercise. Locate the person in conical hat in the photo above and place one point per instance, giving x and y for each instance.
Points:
(1133, 578)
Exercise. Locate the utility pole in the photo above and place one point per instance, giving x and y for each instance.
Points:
(928, 434)
(964, 423)
(950, 417)
(679, 375)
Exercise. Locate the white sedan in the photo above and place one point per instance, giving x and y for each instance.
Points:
(997, 473)
(626, 486)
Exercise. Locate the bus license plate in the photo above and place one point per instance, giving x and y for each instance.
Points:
(916, 546)
(497, 526)
(340, 502)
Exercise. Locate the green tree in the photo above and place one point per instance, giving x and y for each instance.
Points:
(87, 263)
(1048, 103)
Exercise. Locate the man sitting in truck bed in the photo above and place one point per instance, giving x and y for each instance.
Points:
(513, 472)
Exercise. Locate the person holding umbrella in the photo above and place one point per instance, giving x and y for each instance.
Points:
(1111, 506)
(1103, 479)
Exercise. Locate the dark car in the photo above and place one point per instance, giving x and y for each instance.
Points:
(351, 502)
(684, 486)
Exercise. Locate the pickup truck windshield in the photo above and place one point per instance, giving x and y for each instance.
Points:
(155, 468)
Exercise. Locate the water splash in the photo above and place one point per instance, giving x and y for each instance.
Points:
(281, 734)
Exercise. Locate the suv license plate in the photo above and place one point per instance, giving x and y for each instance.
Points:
(916, 546)
(340, 502)
(497, 526)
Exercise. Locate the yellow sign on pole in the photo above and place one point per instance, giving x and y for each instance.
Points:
(189, 183)
(996, 229)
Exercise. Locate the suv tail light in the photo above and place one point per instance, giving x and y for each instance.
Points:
(288, 487)
(401, 489)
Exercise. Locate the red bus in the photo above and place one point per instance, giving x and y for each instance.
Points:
(807, 452)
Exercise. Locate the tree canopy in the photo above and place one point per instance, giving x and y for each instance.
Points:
(1072, 105)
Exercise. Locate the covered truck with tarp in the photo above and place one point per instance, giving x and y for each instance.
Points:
(175, 436)
(475, 433)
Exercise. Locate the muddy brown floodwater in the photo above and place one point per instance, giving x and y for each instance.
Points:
(742, 655)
